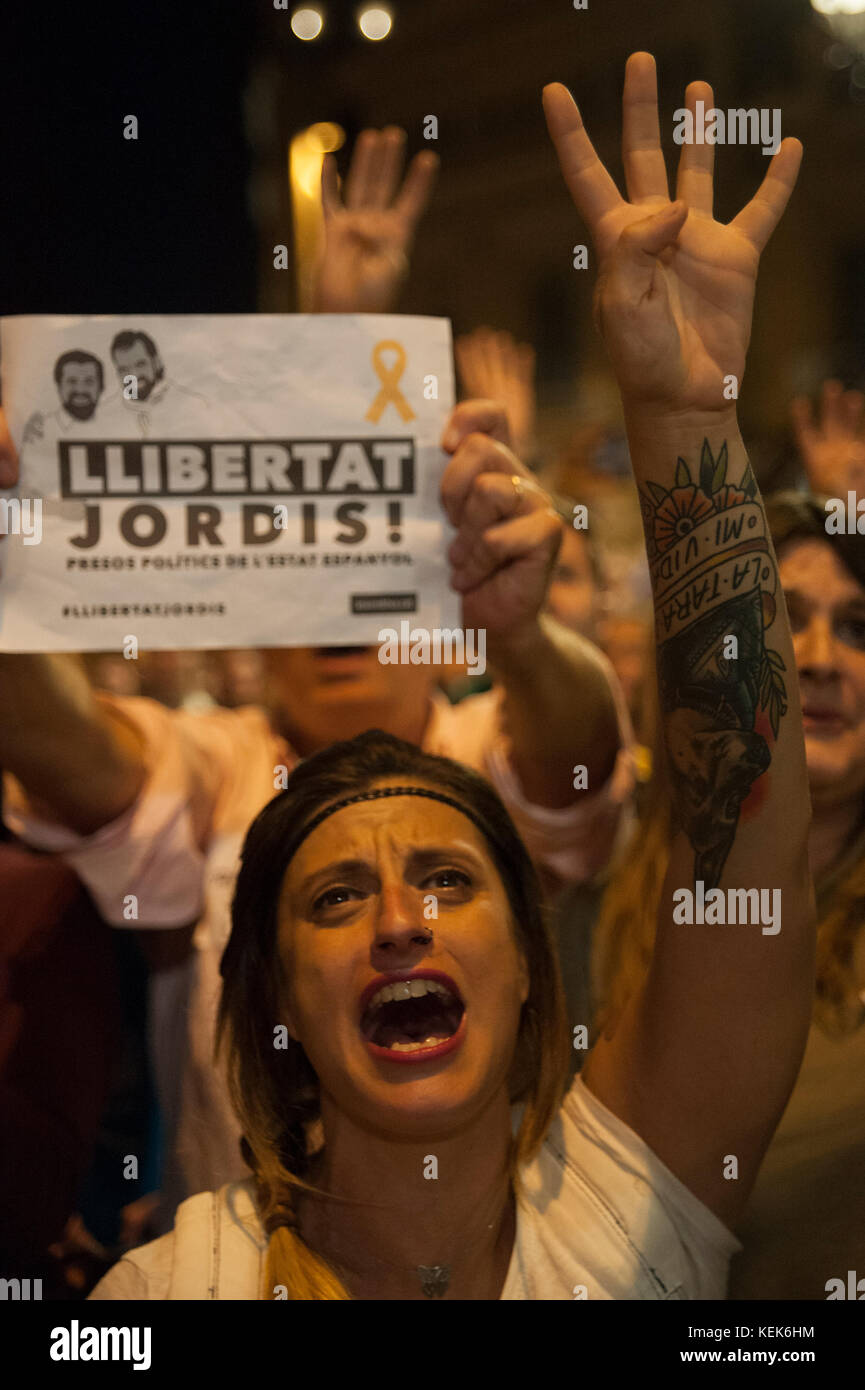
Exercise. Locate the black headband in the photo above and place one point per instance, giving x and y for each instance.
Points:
(294, 845)
(297, 840)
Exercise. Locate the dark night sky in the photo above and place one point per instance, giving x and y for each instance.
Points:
(94, 223)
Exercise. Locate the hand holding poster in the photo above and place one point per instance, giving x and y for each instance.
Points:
(219, 481)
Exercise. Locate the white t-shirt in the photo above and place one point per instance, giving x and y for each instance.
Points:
(600, 1217)
(172, 858)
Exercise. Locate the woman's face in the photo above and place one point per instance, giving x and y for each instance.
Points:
(827, 618)
(356, 913)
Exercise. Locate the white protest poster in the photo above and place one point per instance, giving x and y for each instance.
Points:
(207, 481)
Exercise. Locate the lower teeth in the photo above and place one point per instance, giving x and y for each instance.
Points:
(414, 1046)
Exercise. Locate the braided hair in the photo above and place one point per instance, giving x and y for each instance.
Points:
(275, 1091)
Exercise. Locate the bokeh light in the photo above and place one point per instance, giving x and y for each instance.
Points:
(375, 23)
(307, 23)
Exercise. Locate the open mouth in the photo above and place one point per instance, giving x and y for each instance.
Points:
(418, 1016)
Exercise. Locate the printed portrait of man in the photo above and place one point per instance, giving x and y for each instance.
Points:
(135, 354)
(80, 380)
(145, 386)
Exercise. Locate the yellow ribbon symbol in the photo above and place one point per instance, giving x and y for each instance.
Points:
(389, 377)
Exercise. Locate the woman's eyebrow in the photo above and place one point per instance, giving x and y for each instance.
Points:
(424, 857)
(430, 856)
(338, 867)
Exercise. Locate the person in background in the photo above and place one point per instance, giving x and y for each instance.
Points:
(60, 1021)
(805, 1223)
(576, 597)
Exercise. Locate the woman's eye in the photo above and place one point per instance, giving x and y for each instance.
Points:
(449, 878)
(852, 632)
(334, 897)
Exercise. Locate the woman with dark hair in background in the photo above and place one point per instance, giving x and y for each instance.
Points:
(805, 1224)
(389, 990)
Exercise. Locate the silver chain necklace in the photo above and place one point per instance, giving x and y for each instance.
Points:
(434, 1279)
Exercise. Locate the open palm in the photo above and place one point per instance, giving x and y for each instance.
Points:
(676, 288)
(832, 446)
(369, 235)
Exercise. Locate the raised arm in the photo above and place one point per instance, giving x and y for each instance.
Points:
(76, 763)
(558, 706)
(701, 1062)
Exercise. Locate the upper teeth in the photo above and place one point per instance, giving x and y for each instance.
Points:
(408, 989)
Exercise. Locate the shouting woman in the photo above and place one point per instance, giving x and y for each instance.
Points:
(391, 1005)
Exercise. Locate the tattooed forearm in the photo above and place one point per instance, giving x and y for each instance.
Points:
(721, 687)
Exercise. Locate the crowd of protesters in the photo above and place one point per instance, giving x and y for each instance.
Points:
(154, 779)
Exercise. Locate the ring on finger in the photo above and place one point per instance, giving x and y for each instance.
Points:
(519, 486)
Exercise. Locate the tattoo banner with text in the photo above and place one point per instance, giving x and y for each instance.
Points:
(206, 481)
(721, 683)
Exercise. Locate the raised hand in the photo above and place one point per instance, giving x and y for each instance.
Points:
(675, 288)
(494, 367)
(833, 447)
(507, 541)
(368, 236)
(508, 534)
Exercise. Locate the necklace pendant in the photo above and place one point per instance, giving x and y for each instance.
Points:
(434, 1279)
